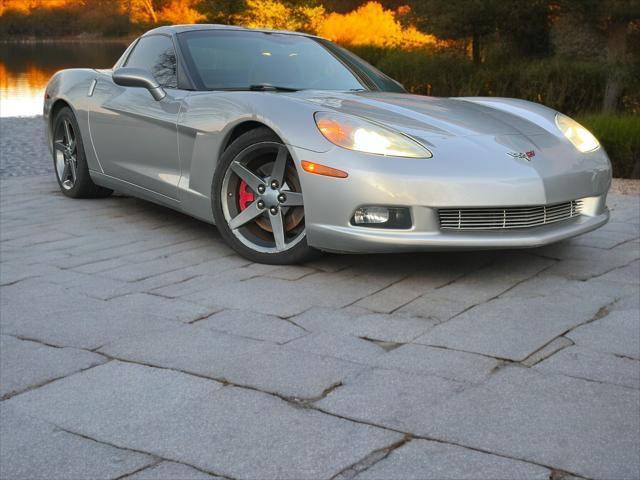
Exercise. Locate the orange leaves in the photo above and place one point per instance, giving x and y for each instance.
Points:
(139, 11)
(180, 11)
(25, 6)
(371, 24)
(172, 11)
(276, 15)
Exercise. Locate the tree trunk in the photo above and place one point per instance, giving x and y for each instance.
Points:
(475, 48)
(616, 50)
(148, 4)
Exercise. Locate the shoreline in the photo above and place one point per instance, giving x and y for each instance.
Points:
(74, 39)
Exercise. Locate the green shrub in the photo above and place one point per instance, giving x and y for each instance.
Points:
(59, 22)
(565, 84)
(620, 137)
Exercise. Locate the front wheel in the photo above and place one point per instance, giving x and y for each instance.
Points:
(69, 160)
(257, 200)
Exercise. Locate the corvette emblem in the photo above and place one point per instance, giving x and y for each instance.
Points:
(523, 155)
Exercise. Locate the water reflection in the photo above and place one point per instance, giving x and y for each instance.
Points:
(26, 68)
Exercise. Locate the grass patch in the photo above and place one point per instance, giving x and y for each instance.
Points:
(619, 134)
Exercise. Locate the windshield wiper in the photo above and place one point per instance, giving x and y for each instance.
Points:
(266, 87)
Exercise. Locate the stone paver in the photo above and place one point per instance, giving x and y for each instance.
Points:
(253, 325)
(420, 459)
(34, 449)
(582, 427)
(65, 319)
(442, 362)
(238, 360)
(286, 298)
(390, 398)
(346, 347)
(600, 367)
(171, 471)
(616, 333)
(496, 328)
(35, 150)
(173, 309)
(478, 286)
(136, 344)
(230, 431)
(359, 323)
(26, 364)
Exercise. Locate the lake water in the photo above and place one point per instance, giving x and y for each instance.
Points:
(25, 69)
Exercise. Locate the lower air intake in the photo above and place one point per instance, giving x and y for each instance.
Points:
(507, 218)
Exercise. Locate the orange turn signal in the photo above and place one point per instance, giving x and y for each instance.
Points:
(323, 170)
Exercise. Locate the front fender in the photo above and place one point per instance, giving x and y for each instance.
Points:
(71, 87)
(208, 118)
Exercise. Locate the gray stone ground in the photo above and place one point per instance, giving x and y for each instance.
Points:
(135, 344)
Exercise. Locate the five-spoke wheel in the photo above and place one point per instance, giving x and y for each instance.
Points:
(66, 160)
(69, 161)
(260, 204)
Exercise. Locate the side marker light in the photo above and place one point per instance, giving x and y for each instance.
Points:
(319, 169)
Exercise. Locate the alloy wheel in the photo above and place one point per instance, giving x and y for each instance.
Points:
(66, 152)
(262, 198)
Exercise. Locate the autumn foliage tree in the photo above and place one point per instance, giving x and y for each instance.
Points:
(278, 15)
(26, 6)
(371, 24)
(161, 11)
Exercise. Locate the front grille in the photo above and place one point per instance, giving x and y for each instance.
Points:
(507, 218)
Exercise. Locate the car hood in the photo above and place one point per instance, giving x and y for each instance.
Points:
(424, 117)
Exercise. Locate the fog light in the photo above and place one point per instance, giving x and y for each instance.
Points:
(382, 217)
(371, 215)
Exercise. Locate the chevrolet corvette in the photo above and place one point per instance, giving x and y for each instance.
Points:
(290, 144)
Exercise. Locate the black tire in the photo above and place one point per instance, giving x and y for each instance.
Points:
(82, 185)
(299, 251)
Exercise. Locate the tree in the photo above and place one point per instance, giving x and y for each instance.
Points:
(458, 19)
(180, 11)
(162, 11)
(371, 24)
(221, 11)
(615, 19)
(278, 15)
(140, 11)
(524, 23)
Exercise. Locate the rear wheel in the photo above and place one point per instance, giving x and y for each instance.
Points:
(69, 161)
(257, 200)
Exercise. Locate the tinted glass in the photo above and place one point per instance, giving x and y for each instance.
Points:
(381, 81)
(233, 59)
(156, 55)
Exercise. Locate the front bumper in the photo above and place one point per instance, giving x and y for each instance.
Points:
(369, 240)
(425, 186)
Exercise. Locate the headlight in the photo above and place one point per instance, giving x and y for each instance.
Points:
(581, 138)
(358, 134)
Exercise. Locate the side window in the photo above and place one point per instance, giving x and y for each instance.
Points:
(156, 55)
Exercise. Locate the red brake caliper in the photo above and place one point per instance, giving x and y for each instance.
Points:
(245, 196)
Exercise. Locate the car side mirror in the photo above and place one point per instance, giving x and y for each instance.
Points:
(137, 77)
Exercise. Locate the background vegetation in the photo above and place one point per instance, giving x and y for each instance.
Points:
(581, 57)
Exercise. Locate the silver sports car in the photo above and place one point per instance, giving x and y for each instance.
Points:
(291, 144)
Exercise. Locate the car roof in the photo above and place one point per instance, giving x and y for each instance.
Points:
(174, 29)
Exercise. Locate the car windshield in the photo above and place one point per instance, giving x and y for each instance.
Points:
(221, 59)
